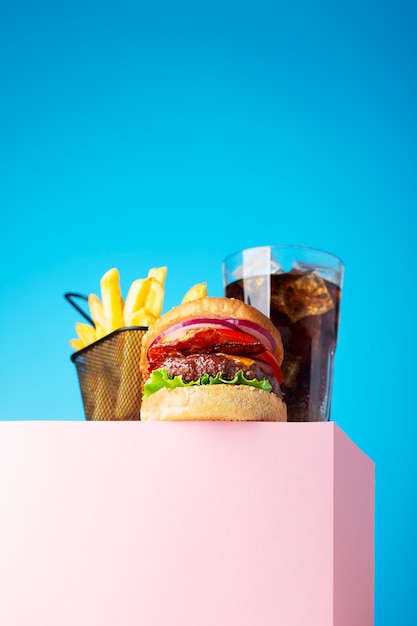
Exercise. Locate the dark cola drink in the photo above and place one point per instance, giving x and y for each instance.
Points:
(305, 308)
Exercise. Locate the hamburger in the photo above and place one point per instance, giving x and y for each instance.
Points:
(212, 359)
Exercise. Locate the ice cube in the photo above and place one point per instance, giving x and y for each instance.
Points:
(307, 295)
(326, 272)
(276, 268)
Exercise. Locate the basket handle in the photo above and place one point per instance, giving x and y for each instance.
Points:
(69, 296)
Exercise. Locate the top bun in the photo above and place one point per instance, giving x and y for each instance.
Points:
(214, 308)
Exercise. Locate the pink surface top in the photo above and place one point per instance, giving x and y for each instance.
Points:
(108, 523)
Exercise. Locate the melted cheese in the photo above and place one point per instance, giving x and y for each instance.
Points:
(241, 359)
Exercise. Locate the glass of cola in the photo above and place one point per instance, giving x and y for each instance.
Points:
(299, 289)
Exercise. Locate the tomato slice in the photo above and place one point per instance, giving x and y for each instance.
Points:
(235, 336)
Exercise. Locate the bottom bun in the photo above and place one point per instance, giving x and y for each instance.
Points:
(214, 402)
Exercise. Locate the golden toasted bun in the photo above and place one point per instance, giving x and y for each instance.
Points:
(216, 402)
(215, 308)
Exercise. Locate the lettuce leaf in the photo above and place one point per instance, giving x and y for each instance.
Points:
(160, 378)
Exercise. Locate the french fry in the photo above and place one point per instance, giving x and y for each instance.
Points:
(96, 310)
(86, 333)
(160, 273)
(77, 344)
(155, 298)
(100, 331)
(196, 292)
(142, 317)
(135, 298)
(112, 300)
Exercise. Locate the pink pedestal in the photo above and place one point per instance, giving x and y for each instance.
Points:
(184, 524)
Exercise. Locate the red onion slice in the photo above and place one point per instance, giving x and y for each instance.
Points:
(194, 324)
(265, 366)
(268, 362)
(245, 326)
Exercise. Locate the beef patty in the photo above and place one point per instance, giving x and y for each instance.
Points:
(194, 366)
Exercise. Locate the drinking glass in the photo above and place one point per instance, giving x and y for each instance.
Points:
(299, 289)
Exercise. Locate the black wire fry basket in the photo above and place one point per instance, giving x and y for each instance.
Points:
(108, 372)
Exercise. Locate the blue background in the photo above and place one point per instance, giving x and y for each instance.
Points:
(142, 134)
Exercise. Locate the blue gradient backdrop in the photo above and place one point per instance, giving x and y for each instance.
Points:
(139, 134)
